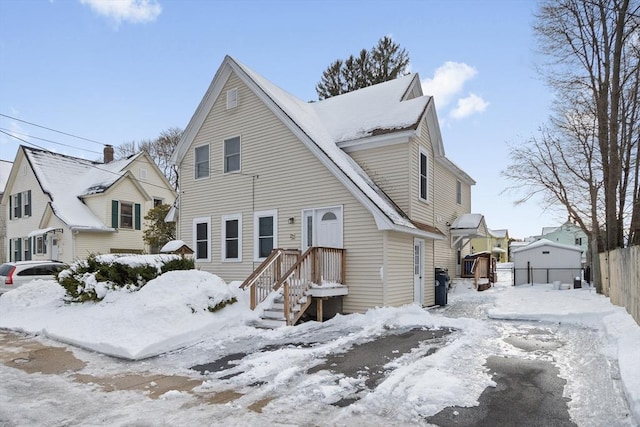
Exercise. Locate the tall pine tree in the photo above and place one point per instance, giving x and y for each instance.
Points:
(385, 61)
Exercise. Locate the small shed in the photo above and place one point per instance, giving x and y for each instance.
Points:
(177, 247)
(545, 261)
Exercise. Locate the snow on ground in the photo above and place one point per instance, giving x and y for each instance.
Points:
(167, 317)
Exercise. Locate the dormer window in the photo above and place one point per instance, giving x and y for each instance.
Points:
(232, 99)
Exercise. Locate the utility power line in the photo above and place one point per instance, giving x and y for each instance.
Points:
(54, 130)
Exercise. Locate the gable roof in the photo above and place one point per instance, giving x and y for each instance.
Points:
(500, 234)
(545, 242)
(383, 108)
(469, 225)
(67, 179)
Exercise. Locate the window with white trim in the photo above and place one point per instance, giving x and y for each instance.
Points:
(26, 203)
(40, 245)
(126, 215)
(16, 202)
(232, 237)
(232, 155)
(232, 99)
(423, 175)
(201, 162)
(265, 233)
(26, 246)
(458, 192)
(201, 238)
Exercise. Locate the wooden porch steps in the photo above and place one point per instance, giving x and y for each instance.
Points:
(288, 276)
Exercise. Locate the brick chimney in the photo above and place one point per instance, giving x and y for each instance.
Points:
(108, 153)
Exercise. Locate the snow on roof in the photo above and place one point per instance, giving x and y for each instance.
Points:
(470, 220)
(500, 234)
(66, 179)
(545, 242)
(5, 170)
(547, 230)
(372, 110)
(307, 117)
(173, 245)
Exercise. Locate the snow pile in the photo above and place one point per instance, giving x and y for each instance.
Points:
(170, 312)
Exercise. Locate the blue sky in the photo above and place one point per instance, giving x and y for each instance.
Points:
(124, 70)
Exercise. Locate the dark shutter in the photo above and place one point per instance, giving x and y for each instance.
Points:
(114, 213)
(11, 207)
(33, 245)
(10, 250)
(19, 207)
(137, 220)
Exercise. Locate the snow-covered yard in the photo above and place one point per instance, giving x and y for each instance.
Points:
(595, 346)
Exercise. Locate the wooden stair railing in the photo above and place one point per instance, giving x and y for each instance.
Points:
(316, 265)
(263, 279)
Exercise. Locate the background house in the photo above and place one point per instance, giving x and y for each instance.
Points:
(568, 234)
(5, 170)
(545, 261)
(364, 172)
(64, 208)
(495, 241)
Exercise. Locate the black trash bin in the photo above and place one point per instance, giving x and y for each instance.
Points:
(577, 282)
(442, 285)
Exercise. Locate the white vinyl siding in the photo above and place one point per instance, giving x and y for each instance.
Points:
(265, 233)
(201, 163)
(232, 155)
(232, 238)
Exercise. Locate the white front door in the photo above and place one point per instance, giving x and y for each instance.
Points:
(328, 227)
(418, 271)
(54, 248)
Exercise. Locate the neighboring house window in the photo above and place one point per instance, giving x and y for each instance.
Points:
(232, 154)
(41, 247)
(579, 241)
(26, 203)
(458, 192)
(26, 245)
(126, 215)
(17, 249)
(16, 209)
(202, 161)
(265, 235)
(232, 238)
(423, 166)
(232, 98)
(157, 202)
(201, 238)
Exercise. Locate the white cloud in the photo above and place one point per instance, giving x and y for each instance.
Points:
(467, 106)
(448, 81)
(133, 11)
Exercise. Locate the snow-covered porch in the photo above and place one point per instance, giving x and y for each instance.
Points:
(285, 284)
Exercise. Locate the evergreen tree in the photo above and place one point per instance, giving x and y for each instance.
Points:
(385, 61)
(158, 232)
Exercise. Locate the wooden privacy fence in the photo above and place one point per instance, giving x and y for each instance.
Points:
(621, 278)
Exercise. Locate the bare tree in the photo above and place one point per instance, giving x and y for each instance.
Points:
(586, 160)
(160, 150)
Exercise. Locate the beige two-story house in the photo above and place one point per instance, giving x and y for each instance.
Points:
(364, 173)
(65, 208)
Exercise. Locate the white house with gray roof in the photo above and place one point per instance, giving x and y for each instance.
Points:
(364, 173)
(65, 208)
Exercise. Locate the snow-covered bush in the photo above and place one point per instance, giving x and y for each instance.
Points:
(90, 279)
